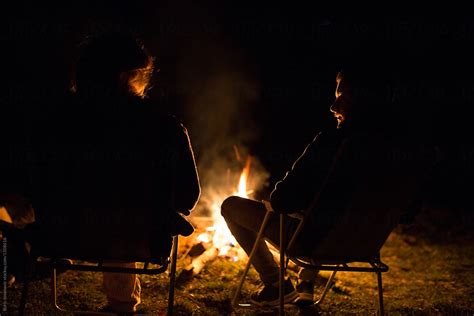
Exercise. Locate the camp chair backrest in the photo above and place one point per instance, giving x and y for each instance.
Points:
(384, 177)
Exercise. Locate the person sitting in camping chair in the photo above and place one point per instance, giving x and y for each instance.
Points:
(360, 105)
(115, 175)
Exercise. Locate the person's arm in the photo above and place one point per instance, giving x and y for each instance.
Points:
(417, 203)
(187, 188)
(297, 189)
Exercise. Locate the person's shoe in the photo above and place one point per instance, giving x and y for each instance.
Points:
(268, 295)
(305, 291)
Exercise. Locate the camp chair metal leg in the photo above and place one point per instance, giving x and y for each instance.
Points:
(235, 298)
(281, 310)
(54, 292)
(380, 288)
(174, 257)
(326, 288)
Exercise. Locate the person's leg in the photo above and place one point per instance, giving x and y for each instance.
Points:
(308, 275)
(122, 289)
(244, 218)
(305, 286)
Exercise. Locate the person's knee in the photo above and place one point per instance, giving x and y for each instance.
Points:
(228, 206)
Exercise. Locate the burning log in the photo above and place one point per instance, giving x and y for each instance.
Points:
(200, 257)
(199, 262)
(196, 250)
(213, 238)
(202, 251)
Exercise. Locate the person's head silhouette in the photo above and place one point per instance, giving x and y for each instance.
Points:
(364, 94)
(113, 63)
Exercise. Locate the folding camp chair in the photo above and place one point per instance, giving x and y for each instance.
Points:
(98, 266)
(384, 177)
(84, 263)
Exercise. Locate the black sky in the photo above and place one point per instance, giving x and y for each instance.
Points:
(289, 54)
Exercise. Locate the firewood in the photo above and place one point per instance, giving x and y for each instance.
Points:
(199, 262)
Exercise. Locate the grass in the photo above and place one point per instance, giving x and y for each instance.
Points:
(431, 272)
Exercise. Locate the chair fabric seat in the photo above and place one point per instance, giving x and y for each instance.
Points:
(97, 244)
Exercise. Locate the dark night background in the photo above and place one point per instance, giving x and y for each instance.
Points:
(262, 76)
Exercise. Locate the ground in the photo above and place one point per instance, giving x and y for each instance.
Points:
(431, 272)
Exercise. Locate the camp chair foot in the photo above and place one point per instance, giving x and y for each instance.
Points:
(174, 257)
(54, 292)
(380, 290)
(326, 289)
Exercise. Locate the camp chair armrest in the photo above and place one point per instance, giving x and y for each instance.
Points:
(269, 208)
(296, 215)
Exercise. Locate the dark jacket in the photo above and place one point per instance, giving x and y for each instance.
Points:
(297, 190)
(111, 173)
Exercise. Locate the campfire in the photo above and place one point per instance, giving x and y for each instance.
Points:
(219, 234)
(212, 237)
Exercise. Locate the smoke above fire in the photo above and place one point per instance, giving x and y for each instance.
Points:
(221, 92)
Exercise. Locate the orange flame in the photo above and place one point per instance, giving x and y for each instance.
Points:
(219, 234)
(242, 189)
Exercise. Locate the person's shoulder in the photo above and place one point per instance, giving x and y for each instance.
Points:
(172, 123)
(160, 117)
(328, 136)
